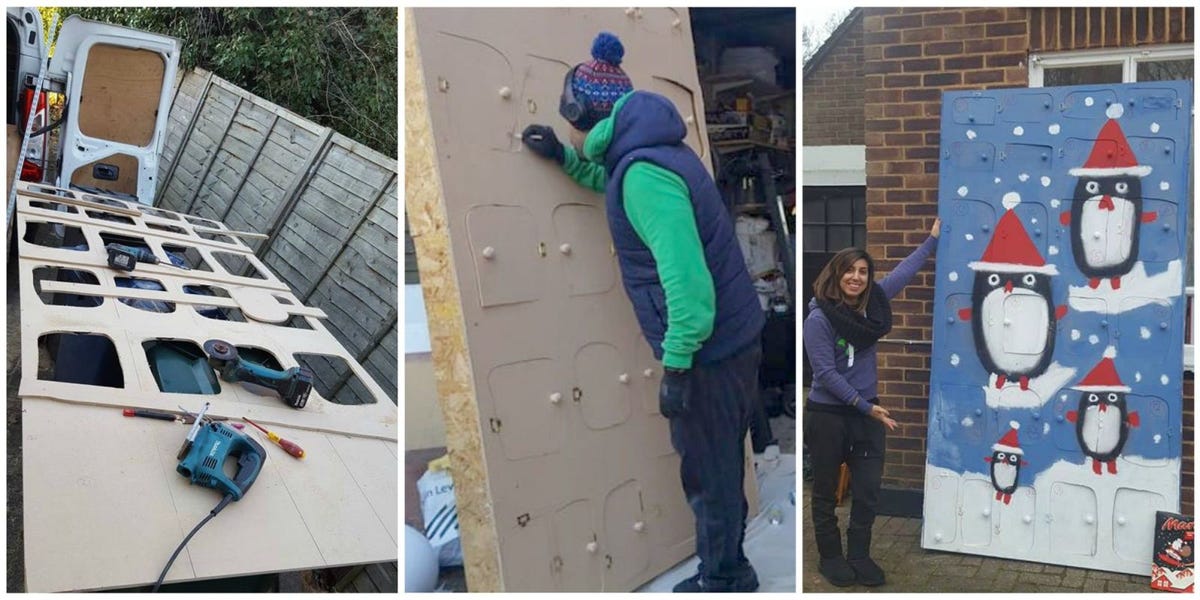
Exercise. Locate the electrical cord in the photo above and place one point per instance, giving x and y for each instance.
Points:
(220, 506)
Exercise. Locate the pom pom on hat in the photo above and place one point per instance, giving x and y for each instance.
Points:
(607, 47)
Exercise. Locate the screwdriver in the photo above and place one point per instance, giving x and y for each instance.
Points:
(289, 447)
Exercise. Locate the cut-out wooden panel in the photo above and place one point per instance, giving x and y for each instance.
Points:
(101, 340)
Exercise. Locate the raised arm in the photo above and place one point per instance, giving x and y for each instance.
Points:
(895, 281)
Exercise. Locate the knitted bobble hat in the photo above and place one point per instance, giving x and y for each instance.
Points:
(600, 82)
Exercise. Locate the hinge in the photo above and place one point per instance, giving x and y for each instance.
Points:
(556, 564)
(608, 561)
(576, 394)
(542, 249)
(523, 520)
(495, 425)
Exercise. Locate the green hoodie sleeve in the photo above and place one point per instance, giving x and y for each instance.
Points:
(659, 207)
(588, 174)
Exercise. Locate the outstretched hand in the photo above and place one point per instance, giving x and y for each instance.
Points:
(936, 230)
(881, 414)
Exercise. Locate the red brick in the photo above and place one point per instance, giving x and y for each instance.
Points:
(883, 125)
(1004, 60)
(881, 37)
(901, 51)
(901, 81)
(962, 63)
(881, 153)
(884, 181)
(928, 34)
(944, 17)
(1003, 29)
(940, 48)
(983, 76)
(983, 46)
(987, 15)
(941, 79)
(904, 167)
(902, 22)
(923, 94)
(922, 64)
(902, 139)
(902, 110)
(925, 124)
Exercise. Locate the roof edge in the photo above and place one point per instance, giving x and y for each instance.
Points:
(834, 38)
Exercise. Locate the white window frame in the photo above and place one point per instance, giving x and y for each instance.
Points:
(1128, 58)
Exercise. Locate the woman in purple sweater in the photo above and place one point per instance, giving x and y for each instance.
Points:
(843, 421)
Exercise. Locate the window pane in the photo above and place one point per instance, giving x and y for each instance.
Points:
(1166, 70)
(814, 210)
(1082, 75)
(840, 236)
(860, 209)
(840, 210)
(860, 236)
(814, 238)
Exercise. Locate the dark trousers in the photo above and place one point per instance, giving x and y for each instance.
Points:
(836, 435)
(710, 441)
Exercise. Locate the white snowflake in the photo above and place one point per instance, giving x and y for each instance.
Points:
(1115, 111)
(1054, 202)
(1157, 438)
(954, 360)
(1093, 339)
(1018, 130)
(1054, 129)
(954, 276)
(1052, 250)
(1045, 181)
(970, 134)
(1088, 101)
(1145, 331)
(1033, 220)
(1154, 127)
(1137, 376)
(1063, 397)
(962, 191)
(967, 422)
(1045, 428)
(1075, 334)
(1023, 177)
(1164, 379)
(969, 237)
(997, 180)
(1164, 186)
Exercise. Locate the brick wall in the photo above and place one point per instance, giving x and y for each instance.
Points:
(910, 56)
(833, 94)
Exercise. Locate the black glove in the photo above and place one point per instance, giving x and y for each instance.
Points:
(543, 142)
(674, 392)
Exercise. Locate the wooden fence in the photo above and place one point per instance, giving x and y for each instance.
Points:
(328, 205)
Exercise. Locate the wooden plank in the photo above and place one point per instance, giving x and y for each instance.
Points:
(250, 167)
(350, 233)
(166, 181)
(292, 194)
(214, 151)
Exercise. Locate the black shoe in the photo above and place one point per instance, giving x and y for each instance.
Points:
(837, 571)
(867, 571)
(697, 584)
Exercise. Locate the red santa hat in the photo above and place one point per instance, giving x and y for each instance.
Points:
(1103, 378)
(1009, 442)
(1011, 250)
(1111, 154)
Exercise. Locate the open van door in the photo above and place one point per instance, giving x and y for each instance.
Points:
(119, 84)
(26, 49)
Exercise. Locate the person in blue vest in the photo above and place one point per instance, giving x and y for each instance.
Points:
(685, 275)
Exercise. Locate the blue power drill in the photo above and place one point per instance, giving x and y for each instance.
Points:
(292, 385)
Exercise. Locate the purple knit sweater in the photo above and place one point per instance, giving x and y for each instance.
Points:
(834, 380)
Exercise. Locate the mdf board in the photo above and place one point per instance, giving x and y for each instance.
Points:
(564, 472)
(119, 173)
(337, 506)
(121, 90)
(1055, 420)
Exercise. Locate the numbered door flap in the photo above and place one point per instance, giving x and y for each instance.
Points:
(530, 406)
(504, 248)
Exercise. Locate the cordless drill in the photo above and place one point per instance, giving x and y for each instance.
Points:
(125, 258)
(292, 385)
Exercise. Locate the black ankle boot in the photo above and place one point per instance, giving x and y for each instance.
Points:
(837, 571)
(858, 555)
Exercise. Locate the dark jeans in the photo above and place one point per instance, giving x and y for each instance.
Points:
(710, 441)
(836, 435)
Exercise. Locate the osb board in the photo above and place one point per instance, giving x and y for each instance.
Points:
(564, 471)
(121, 90)
(335, 507)
(127, 174)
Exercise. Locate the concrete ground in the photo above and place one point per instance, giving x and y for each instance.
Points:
(909, 568)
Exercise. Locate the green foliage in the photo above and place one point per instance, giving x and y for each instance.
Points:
(335, 66)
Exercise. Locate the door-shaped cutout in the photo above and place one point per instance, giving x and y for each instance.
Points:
(532, 423)
(1106, 236)
(583, 242)
(529, 537)
(977, 218)
(1014, 523)
(940, 527)
(973, 156)
(684, 100)
(1156, 152)
(958, 333)
(504, 248)
(668, 528)
(1030, 159)
(1025, 328)
(1160, 102)
(577, 566)
(473, 89)
(1032, 107)
(1088, 104)
(1133, 523)
(976, 506)
(961, 417)
(1152, 441)
(975, 111)
(626, 538)
(603, 382)
(1062, 429)
(1073, 519)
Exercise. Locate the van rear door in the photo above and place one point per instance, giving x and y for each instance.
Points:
(119, 84)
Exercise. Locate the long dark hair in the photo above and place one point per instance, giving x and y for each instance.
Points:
(828, 286)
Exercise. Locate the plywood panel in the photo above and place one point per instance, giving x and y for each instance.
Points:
(121, 90)
(530, 330)
(126, 171)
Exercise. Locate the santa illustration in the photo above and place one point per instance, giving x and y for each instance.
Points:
(1012, 314)
(1103, 419)
(1106, 214)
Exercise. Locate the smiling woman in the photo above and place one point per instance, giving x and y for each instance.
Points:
(849, 313)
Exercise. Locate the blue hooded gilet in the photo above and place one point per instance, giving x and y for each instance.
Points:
(648, 128)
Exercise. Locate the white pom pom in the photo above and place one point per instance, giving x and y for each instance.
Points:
(1115, 110)
(1014, 424)
(1011, 200)
(1110, 352)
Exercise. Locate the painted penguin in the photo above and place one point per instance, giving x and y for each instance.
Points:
(1012, 314)
(1106, 212)
(1103, 419)
(1006, 464)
